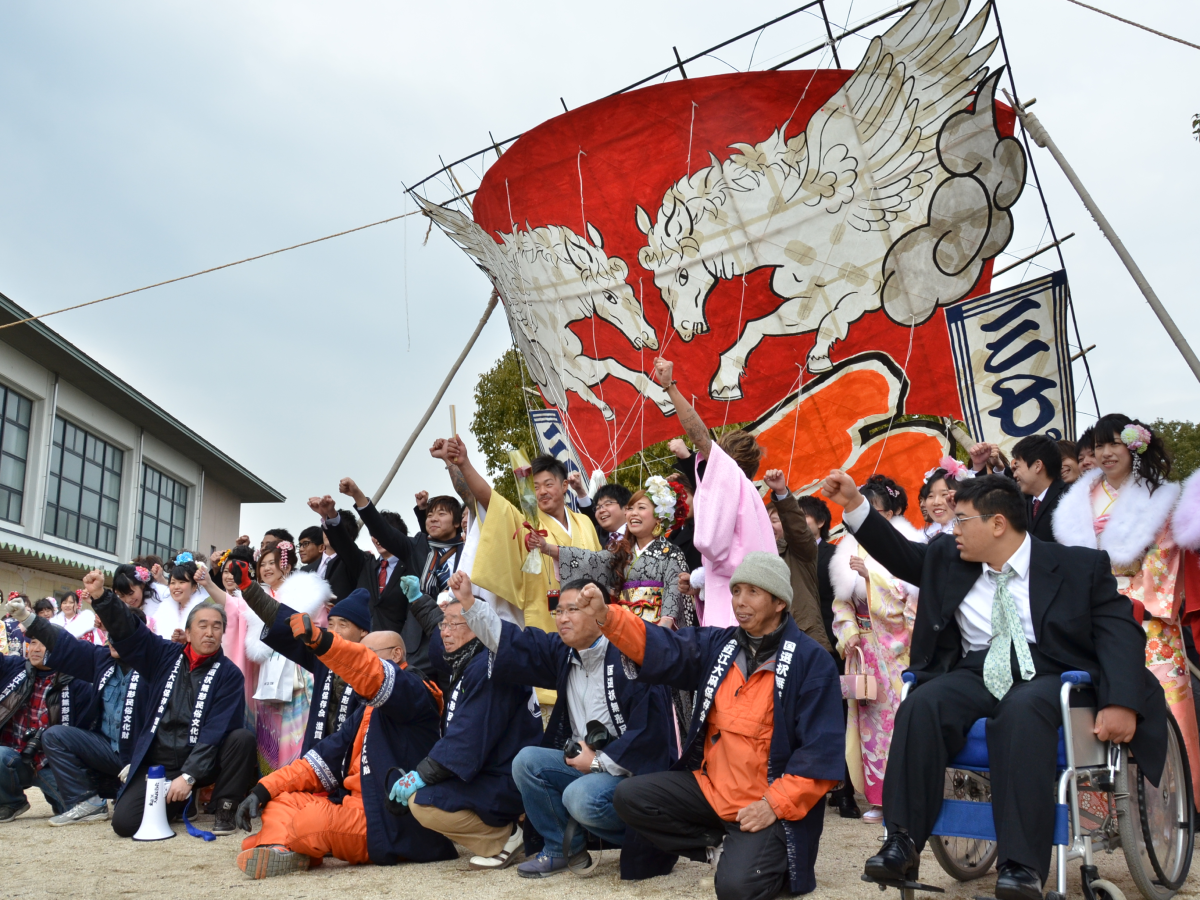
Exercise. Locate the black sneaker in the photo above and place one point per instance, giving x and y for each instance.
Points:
(8, 813)
(224, 823)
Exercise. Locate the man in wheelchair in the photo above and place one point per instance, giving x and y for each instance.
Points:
(1001, 616)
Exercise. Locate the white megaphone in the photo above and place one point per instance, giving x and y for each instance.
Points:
(154, 815)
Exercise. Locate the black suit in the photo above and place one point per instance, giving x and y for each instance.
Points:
(825, 551)
(390, 607)
(1040, 525)
(1080, 622)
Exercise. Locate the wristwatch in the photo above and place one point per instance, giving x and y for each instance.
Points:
(188, 778)
(595, 767)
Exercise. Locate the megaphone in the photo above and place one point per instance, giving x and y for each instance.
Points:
(154, 816)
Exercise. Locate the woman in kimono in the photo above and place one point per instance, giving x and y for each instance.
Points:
(284, 690)
(873, 614)
(937, 495)
(1125, 506)
(642, 570)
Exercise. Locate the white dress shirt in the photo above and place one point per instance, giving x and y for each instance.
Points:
(323, 565)
(974, 614)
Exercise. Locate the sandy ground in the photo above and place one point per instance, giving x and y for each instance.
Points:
(89, 861)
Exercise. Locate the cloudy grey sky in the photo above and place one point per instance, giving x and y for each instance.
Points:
(140, 141)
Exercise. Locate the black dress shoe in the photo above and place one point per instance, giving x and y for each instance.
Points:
(897, 860)
(1018, 882)
(847, 808)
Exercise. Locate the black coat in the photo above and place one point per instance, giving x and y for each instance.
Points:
(1040, 525)
(1080, 620)
(825, 551)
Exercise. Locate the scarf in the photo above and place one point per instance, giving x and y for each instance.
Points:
(759, 649)
(195, 660)
(457, 661)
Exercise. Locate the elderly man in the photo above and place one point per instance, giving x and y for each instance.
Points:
(1002, 616)
(612, 727)
(32, 698)
(87, 760)
(333, 700)
(766, 742)
(333, 801)
(464, 788)
(194, 730)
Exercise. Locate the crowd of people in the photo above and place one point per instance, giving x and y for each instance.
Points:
(676, 671)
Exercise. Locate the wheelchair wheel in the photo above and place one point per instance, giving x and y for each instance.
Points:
(1156, 824)
(965, 858)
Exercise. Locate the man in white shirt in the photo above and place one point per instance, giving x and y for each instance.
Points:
(1002, 616)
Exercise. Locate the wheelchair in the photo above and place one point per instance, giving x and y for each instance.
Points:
(1103, 804)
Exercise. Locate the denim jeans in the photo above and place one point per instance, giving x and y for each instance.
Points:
(16, 775)
(553, 793)
(83, 763)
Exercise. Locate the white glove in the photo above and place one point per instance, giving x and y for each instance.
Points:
(19, 611)
(123, 775)
(444, 599)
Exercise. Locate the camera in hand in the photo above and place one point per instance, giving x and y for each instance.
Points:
(33, 743)
(597, 737)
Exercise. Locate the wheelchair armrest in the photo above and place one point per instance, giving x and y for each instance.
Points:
(910, 681)
(1076, 678)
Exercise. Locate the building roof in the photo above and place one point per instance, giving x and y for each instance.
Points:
(48, 348)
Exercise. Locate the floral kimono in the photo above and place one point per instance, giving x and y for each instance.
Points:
(1134, 526)
(881, 612)
(650, 590)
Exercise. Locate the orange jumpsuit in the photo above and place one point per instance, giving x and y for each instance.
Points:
(300, 818)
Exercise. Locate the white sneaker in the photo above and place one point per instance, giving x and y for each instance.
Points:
(505, 857)
(93, 809)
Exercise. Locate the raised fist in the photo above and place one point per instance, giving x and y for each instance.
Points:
(18, 610)
(664, 371)
(422, 498)
(679, 447)
(841, 489)
(240, 570)
(776, 481)
(350, 489)
(93, 583)
(323, 506)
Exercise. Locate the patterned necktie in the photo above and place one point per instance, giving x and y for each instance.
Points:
(1006, 632)
(383, 574)
(1036, 503)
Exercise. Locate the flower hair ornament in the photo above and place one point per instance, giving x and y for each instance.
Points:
(287, 555)
(663, 496)
(80, 594)
(184, 557)
(1136, 437)
(142, 574)
(681, 504)
(951, 467)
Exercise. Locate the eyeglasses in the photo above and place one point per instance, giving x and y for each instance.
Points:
(307, 544)
(446, 626)
(960, 519)
(566, 611)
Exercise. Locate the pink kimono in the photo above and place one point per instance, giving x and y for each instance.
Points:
(731, 521)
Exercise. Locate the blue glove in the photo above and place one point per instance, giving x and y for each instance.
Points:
(406, 786)
(411, 585)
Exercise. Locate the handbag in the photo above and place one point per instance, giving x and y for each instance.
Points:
(858, 684)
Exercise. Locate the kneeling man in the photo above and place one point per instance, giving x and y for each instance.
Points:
(614, 727)
(393, 729)
(1002, 616)
(197, 710)
(464, 788)
(766, 742)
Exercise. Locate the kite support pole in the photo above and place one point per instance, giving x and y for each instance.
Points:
(412, 439)
(1042, 139)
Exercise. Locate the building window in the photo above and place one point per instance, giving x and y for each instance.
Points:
(14, 449)
(163, 513)
(83, 488)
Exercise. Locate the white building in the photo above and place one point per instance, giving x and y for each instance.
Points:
(92, 473)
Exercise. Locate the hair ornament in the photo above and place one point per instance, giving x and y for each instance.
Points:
(142, 574)
(663, 496)
(1136, 437)
(184, 557)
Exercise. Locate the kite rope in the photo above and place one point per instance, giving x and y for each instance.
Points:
(691, 131)
(741, 306)
(1161, 34)
(407, 325)
(796, 424)
(206, 271)
(883, 449)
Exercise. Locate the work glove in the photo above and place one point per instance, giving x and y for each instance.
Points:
(18, 610)
(315, 638)
(240, 571)
(405, 787)
(251, 808)
(411, 585)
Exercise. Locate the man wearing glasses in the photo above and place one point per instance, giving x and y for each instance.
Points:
(1001, 616)
(604, 728)
(464, 788)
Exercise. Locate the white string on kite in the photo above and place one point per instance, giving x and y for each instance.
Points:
(1161, 34)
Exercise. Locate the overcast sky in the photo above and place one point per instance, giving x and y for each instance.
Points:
(140, 141)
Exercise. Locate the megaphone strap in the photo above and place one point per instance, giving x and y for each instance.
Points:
(192, 829)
